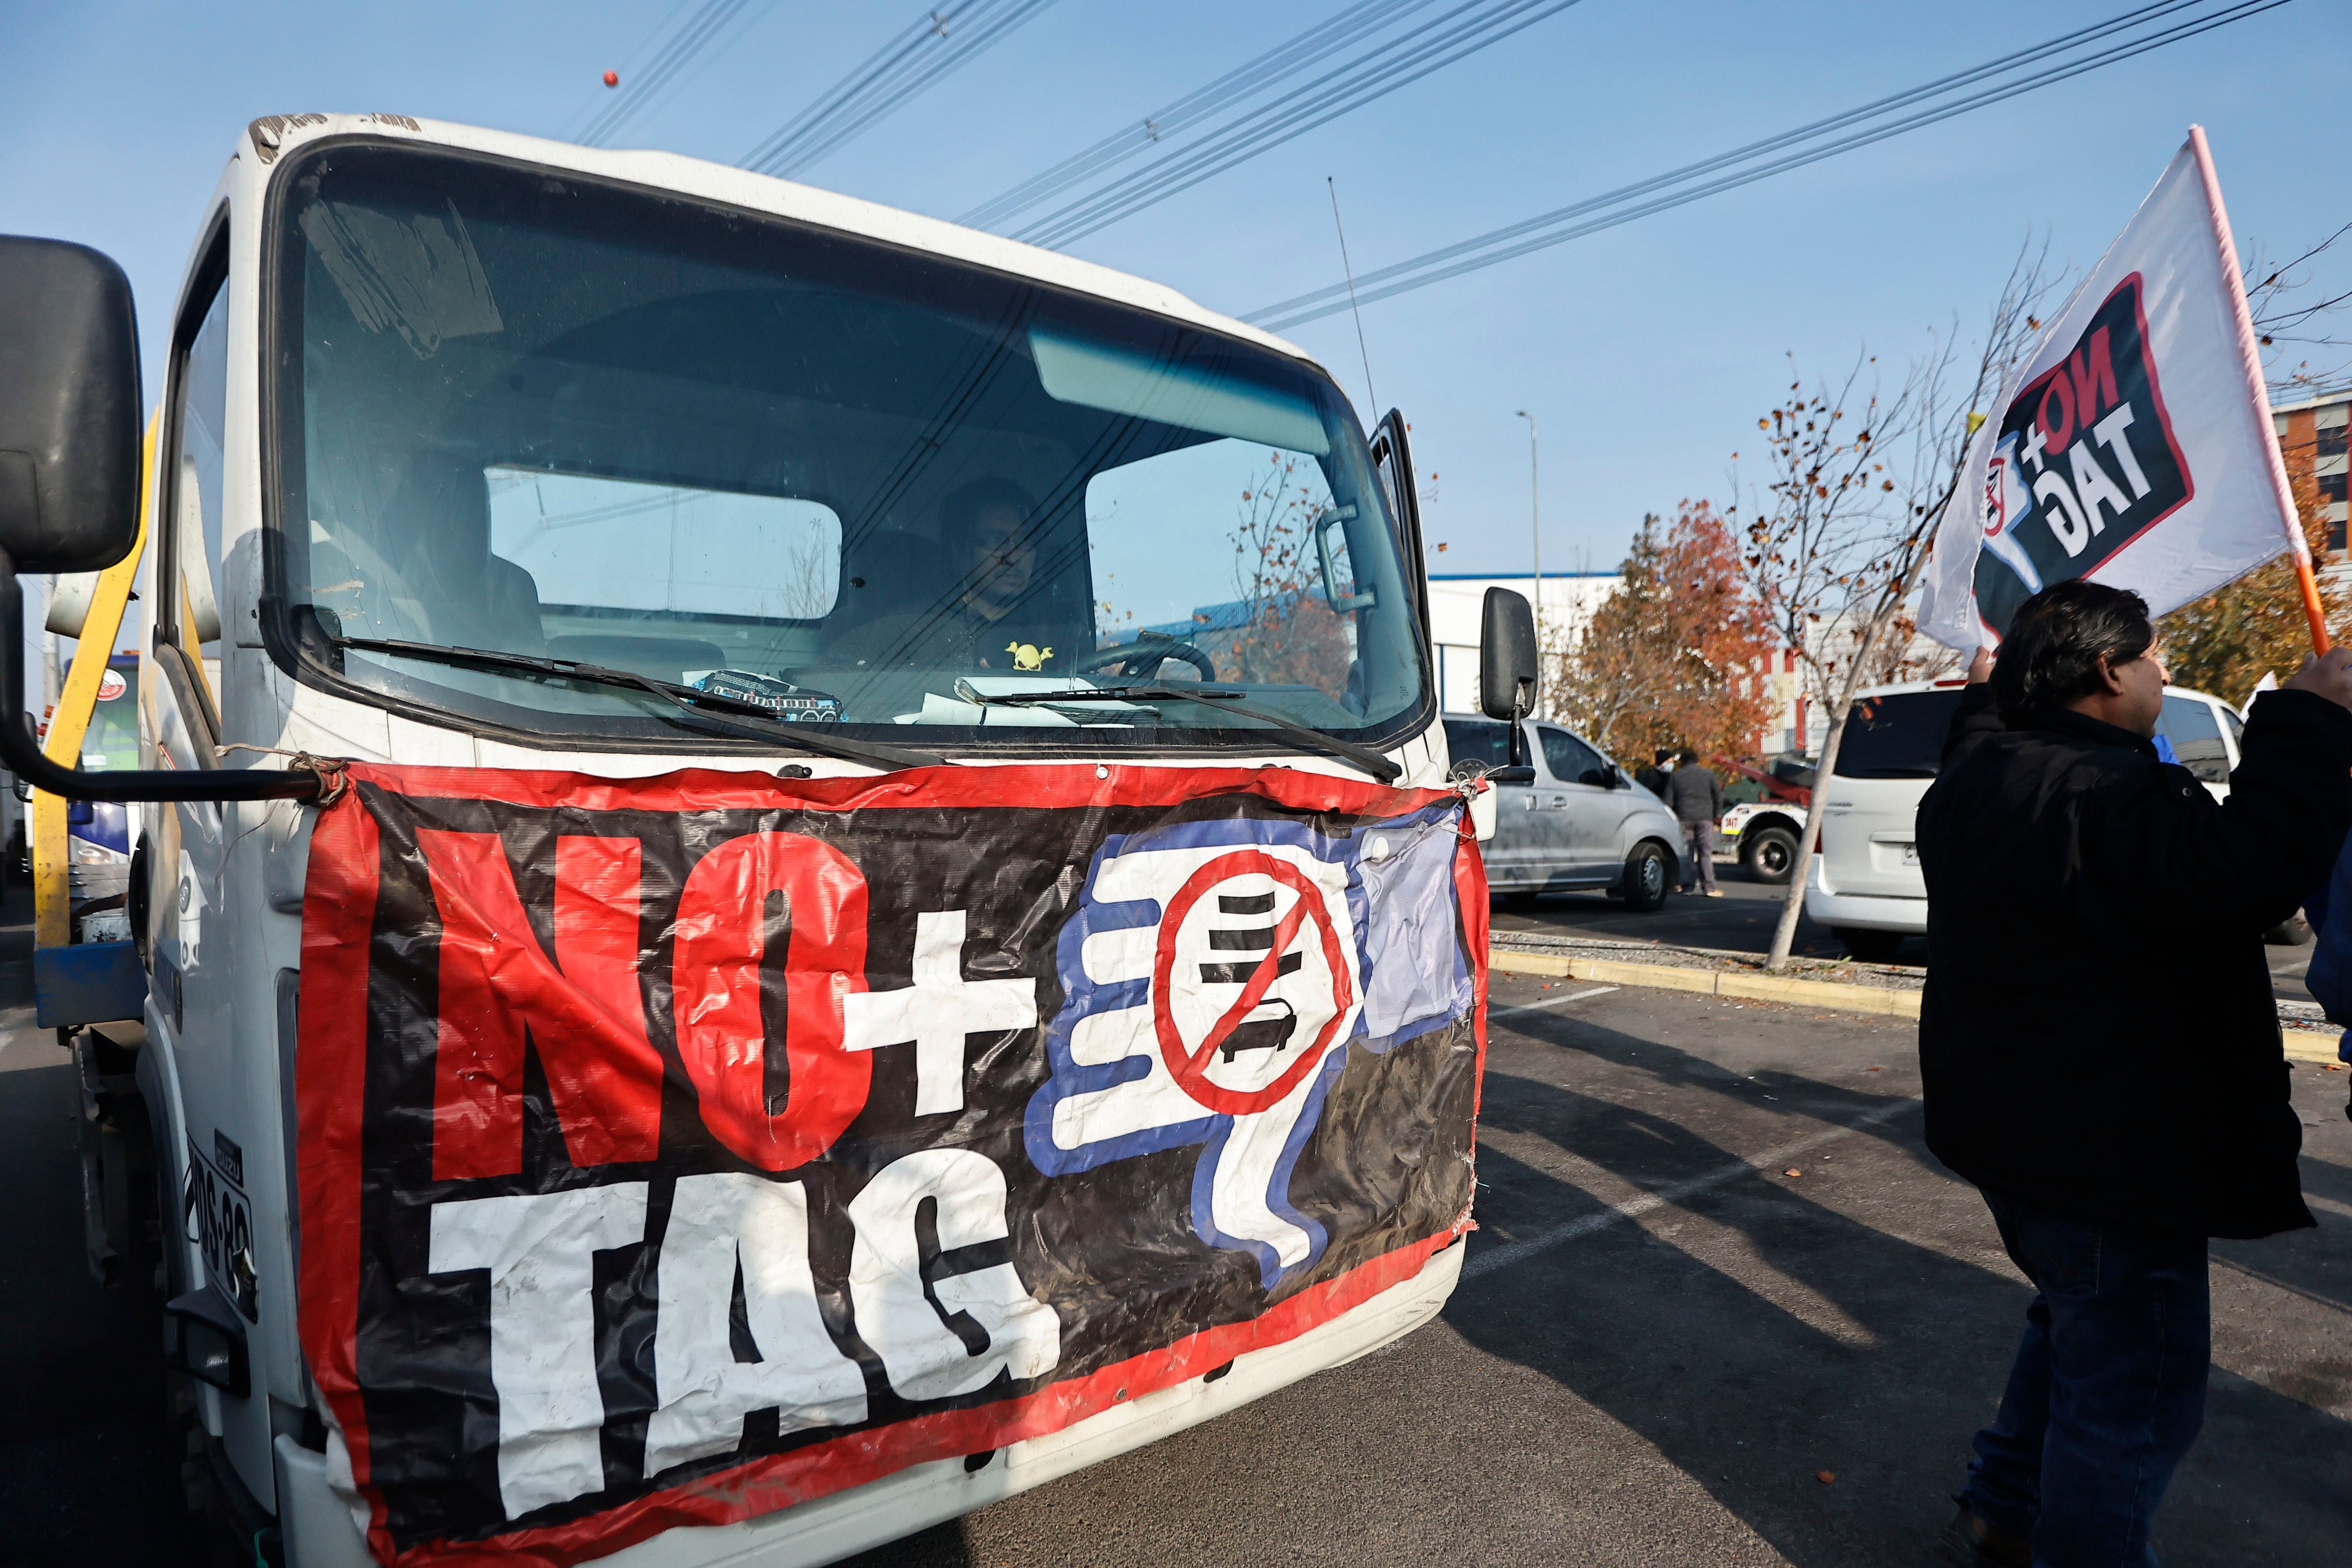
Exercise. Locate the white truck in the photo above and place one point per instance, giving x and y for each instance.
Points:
(716, 975)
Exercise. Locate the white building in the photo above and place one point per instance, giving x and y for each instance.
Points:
(1458, 603)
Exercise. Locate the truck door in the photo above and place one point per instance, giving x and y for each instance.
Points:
(1393, 461)
(191, 931)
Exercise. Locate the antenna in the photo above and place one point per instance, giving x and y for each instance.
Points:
(1375, 409)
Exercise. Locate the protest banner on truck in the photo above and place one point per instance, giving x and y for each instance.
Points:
(675, 1151)
(2135, 443)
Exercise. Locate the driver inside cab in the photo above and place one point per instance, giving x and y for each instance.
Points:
(959, 602)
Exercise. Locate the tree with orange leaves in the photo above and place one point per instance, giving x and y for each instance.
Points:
(1671, 658)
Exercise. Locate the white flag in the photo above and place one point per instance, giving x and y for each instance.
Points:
(2133, 444)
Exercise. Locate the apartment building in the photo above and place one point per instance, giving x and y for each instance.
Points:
(2311, 438)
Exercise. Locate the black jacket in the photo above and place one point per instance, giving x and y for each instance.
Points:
(2098, 1035)
(1694, 793)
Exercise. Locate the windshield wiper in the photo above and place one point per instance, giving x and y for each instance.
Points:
(807, 737)
(1364, 757)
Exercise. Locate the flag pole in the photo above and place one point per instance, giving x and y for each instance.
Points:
(2249, 352)
(2312, 611)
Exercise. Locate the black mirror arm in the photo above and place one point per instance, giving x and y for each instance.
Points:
(21, 753)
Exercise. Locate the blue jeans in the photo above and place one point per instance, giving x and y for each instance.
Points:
(2108, 1392)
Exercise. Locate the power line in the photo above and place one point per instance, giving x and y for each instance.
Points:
(1310, 47)
(1380, 70)
(1612, 209)
(644, 84)
(1770, 144)
(602, 99)
(941, 40)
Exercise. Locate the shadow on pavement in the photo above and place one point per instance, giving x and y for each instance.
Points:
(87, 1470)
(1844, 1348)
(1771, 1089)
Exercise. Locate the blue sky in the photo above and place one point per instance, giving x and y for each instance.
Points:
(1647, 351)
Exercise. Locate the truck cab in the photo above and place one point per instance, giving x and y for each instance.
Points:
(671, 710)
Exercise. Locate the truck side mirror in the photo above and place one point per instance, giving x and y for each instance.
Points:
(69, 465)
(1508, 671)
(1507, 674)
(69, 407)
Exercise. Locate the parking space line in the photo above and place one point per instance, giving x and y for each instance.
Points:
(1548, 1002)
(1526, 1246)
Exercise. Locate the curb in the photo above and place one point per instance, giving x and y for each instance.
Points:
(2299, 1045)
(1751, 987)
(2305, 1046)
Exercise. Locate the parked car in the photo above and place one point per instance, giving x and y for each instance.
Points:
(1583, 823)
(1865, 883)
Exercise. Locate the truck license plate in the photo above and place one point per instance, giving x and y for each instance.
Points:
(222, 1223)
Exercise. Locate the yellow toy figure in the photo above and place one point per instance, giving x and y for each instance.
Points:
(1028, 655)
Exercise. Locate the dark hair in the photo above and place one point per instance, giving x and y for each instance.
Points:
(2051, 656)
(962, 506)
(1662, 754)
(1688, 755)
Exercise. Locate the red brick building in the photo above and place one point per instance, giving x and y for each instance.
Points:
(2311, 438)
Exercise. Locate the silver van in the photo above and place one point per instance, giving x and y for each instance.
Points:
(1865, 883)
(1583, 823)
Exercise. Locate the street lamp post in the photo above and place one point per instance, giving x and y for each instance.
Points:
(1534, 521)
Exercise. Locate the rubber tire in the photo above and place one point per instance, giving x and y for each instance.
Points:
(1871, 946)
(1760, 848)
(1647, 876)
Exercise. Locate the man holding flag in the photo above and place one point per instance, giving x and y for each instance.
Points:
(2098, 1041)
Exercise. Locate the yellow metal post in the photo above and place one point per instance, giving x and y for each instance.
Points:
(70, 722)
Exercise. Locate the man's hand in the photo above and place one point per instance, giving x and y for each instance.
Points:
(1980, 667)
(2329, 675)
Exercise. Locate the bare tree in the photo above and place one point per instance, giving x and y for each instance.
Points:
(1288, 634)
(2293, 323)
(1858, 479)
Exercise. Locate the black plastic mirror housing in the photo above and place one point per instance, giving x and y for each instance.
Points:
(1507, 670)
(69, 407)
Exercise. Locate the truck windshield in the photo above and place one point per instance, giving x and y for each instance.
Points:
(859, 484)
(1898, 736)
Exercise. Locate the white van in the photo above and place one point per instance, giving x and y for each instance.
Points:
(1865, 884)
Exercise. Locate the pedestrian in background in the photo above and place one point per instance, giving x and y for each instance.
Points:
(1653, 777)
(2100, 1049)
(1696, 796)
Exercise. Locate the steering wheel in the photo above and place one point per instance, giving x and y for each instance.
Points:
(1146, 652)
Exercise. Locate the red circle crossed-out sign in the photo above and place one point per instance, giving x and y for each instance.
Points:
(1191, 1066)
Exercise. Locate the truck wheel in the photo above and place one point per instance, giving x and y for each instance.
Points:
(1768, 854)
(1643, 884)
(1871, 946)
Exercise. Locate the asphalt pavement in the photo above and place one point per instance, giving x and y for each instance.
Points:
(1662, 1342)
(88, 1470)
(1668, 1349)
